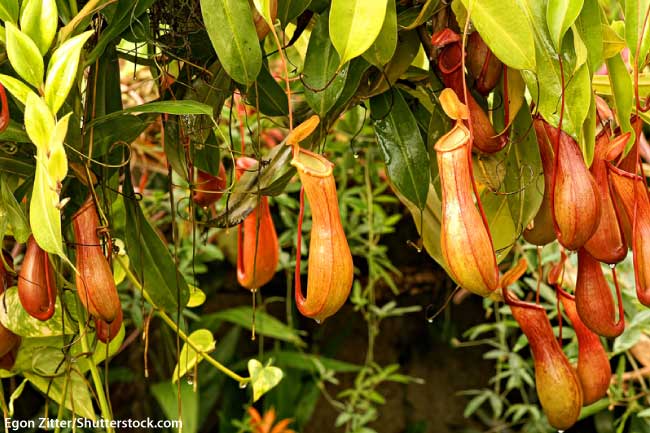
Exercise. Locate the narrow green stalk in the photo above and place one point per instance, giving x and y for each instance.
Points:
(97, 380)
(168, 320)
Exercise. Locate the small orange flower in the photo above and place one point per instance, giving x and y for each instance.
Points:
(264, 424)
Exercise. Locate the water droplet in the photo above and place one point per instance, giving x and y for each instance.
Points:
(243, 385)
(190, 379)
(560, 431)
(318, 321)
(430, 319)
(356, 155)
(612, 265)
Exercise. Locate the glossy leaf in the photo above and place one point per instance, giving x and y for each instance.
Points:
(39, 122)
(591, 31)
(203, 340)
(265, 324)
(39, 20)
(44, 215)
(151, 259)
(230, 26)
(167, 107)
(272, 99)
(263, 378)
(62, 70)
(382, 50)
(424, 14)
(523, 172)
(560, 15)
(9, 10)
(16, 319)
(16, 87)
(24, 56)
(623, 94)
(323, 81)
(288, 10)
(13, 218)
(354, 26)
(405, 155)
(635, 15)
(504, 28)
(500, 222)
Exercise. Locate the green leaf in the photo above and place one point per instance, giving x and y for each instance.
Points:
(405, 155)
(166, 394)
(39, 122)
(382, 50)
(24, 56)
(272, 99)
(16, 87)
(9, 10)
(166, 107)
(44, 214)
(500, 222)
(265, 324)
(39, 20)
(425, 13)
(12, 216)
(203, 340)
(524, 181)
(354, 25)
(623, 94)
(323, 81)
(560, 15)
(591, 31)
(635, 15)
(62, 70)
(77, 395)
(14, 317)
(311, 362)
(288, 10)
(15, 395)
(230, 26)
(150, 257)
(263, 378)
(504, 28)
(613, 43)
(264, 9)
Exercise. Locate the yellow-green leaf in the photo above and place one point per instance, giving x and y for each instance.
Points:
(16, 87)
(24, 56)
(263, 378)
(612, 42)
(62, 70)
(505, 29)
(39, 20)
(635, 15)
(560, 15)
(39, 122)
(382, 50)
(197, 297)
(203, 340)
(264, 8)
(9, 10)
(354, 25)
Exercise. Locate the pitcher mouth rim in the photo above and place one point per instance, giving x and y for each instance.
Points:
(312, 163)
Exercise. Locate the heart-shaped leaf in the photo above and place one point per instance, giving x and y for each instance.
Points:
(263, 378)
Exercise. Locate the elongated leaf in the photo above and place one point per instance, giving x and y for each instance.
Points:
(265, 324)
(16, 87)
(382, 50)
(77, 396)
(635, 15)
(591, 31)
(263, 378)
(425, 13)
(623, 93)
(39, 122)
(354, 25)
(524, 181)
(288, 10)
(12, 216)
(356, 72)
(24, 56)
(309, 362)
(500, 222)
(323, 84)
(545, 85)
(264, 9)
(560, 15)
(9, 10)
(230, 26)
(272, 99)
(38, 20)
(405, 155)
(203, 340)
(505, 30)
(44, 215)
(62, 70)
(15, 318)
(168, 107)
(613, 43)
(150, 258)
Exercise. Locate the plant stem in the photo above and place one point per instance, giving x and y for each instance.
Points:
(97, 380)
(168, 320)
